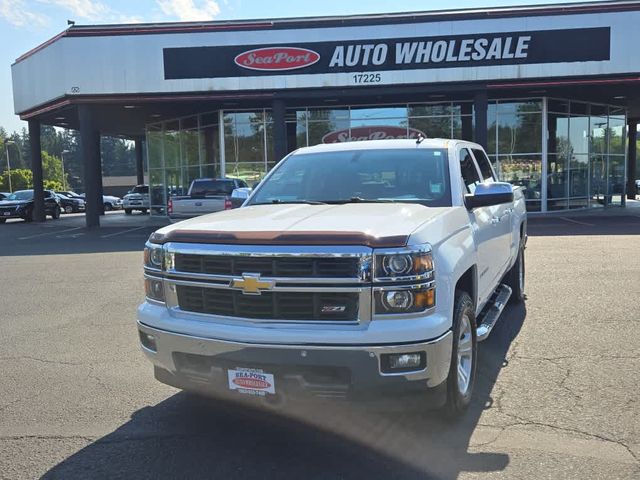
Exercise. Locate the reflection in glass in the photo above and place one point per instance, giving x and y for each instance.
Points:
(524, 171)
(579, 135)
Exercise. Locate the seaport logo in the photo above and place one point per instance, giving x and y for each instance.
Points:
(377, 132)
(277, 58)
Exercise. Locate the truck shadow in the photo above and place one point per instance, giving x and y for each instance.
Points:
(187, 437)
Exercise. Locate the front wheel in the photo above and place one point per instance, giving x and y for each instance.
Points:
(462, 372)
(68, 209)
(108, 207)
(144, 211)
(56, 213)
(2, 220)
(127, 211)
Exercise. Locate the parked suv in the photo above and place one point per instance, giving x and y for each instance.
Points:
(136, 199)
(20, 205)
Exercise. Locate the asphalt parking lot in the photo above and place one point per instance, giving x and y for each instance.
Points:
(556, 397)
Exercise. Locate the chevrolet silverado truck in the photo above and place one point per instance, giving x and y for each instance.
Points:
(366, 270)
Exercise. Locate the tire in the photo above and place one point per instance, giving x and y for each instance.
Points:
(515, 277)
(127, 211)
(68, 209)
(463, 357)
(108, 207)
(2, 220)
(56, 213)
(28, 216)
(144, 211)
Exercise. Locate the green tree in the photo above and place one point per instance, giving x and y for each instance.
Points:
(21, 179)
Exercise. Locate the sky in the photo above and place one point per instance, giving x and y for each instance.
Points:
(24, 24)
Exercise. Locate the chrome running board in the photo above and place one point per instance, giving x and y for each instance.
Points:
(492, 311)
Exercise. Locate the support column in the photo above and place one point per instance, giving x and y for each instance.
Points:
(632, 125)
(38, 214)
(139, 160)
(100, 191)
(279, 129)
(480, 105)
(467, 123)
(90, 144)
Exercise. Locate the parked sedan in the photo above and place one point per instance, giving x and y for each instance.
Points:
(20, 205)
(70, 205)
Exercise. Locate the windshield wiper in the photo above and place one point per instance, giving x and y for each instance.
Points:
(286, 202)
(362, 200)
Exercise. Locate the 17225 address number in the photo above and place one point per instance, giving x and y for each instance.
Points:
(366, 78)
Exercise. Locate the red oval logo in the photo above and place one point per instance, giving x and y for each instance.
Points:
(277, 58)
(251, 383)
(376, 132)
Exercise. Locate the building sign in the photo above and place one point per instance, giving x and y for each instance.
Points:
(528, 47)
(276, 58)
(377, 132)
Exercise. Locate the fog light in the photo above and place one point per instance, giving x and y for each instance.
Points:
(148, 341)
(406, 360)
(402, 362)
(154, 289)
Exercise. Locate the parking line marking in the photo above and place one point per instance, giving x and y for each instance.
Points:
(123, 232)
(49, 233)
(577, 222)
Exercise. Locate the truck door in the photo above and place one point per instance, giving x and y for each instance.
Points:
(502, 219)
(486, 234)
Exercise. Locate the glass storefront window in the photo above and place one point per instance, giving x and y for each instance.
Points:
(432, 127)
(519, 132)
(617, 134)
(579, 134)
(524, 171)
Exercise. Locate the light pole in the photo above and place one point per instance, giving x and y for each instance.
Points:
(6, 148)
(64, 183)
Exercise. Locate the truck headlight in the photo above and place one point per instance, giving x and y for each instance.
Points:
(404, 265)
(153, 256)
(404, 300)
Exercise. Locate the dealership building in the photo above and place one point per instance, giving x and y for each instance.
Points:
(551, 91)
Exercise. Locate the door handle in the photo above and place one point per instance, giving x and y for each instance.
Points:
(495, 220)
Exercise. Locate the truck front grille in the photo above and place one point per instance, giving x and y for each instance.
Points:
(302, 306)
(295, 267)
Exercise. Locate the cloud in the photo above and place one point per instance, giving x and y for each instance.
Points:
(87, 9)
(190, 10)
(16, 13)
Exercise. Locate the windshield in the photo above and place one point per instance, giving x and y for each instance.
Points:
(21, 195)
(416, 175)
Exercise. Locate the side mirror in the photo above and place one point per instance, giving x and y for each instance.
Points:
(487, 194)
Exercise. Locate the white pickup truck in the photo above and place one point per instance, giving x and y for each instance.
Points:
(366, 270)
(205, 195)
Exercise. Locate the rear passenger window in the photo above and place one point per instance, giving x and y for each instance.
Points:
(485, 165)
(470, 176)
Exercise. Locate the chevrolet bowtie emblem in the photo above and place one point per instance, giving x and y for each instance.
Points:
(250, 284)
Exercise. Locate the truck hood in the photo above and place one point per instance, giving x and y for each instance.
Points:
(371, 224)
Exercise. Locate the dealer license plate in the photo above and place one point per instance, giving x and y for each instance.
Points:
(251, 381)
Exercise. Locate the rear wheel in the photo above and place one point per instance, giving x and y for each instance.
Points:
(127, 211)
(462, 372)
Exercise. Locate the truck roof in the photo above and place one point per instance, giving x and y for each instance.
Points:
(381, 144)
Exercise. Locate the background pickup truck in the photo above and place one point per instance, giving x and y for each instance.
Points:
(205, 195)
(365, 270)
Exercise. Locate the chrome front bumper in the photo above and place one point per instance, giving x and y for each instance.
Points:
(191, 362)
